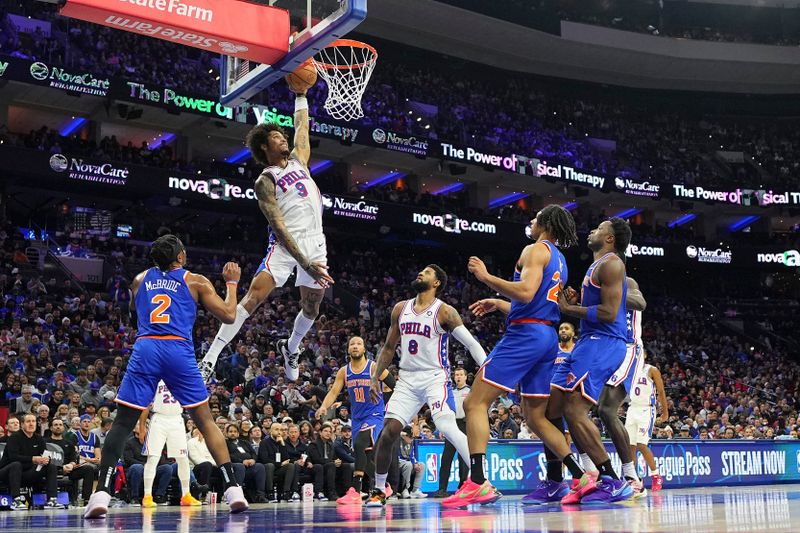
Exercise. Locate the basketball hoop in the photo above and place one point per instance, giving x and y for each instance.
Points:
(346, 67)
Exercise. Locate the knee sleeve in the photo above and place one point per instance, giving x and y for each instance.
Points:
(363, 441)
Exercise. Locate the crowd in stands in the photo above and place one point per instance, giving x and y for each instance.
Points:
(508, 113)
(64, 349)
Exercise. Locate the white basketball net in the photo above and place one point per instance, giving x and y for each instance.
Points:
(346, 67)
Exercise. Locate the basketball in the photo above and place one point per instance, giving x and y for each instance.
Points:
(302, 79)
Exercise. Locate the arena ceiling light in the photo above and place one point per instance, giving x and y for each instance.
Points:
(743, 223)
(72, 126)
(321, 166)
(508, 199)
(454, 187)
(383, 180)
(628, 213)
(570, 206)
(681, 220)
(239, 157)
(165, 138)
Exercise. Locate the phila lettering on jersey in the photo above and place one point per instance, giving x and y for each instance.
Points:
(164, 403)
(298, 197)
(423, 341)
(643, 390)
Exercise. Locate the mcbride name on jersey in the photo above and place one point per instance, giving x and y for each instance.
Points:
(298, 197)
(423, 341)
(165, 305)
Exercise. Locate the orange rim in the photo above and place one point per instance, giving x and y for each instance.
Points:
(354, 44)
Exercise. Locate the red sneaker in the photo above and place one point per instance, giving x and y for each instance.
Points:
(580, 488)
(352, 496)
(657, 481)
(470, 493)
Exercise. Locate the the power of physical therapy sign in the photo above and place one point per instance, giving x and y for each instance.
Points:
(231, 27)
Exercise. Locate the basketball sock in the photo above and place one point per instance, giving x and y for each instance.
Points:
(150, 473)
(555, 471)
(183, 474)
(357, 483)
(607, 470)
(476, 468)
(629, 471)
(228, 476)
(573, 467)
(225, 335)
(380, 482)
(301, 326)
(586, 463)
(114, 445)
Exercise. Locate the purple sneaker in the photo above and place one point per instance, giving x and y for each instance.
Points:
(609, 490)
(548, 491)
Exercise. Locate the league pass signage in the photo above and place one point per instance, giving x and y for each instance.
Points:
(518, 466)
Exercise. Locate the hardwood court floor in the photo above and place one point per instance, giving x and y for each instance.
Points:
(701, 510)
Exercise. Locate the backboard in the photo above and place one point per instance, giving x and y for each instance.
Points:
(317, 23)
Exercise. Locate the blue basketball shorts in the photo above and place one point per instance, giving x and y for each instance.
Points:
(373, 424)
(525, 356)
(154, 359)
(592, 362)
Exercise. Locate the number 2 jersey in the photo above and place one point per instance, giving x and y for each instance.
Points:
(365, 414)
(544, 304)
(164, 304)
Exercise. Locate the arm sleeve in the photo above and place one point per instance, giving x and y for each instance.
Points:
(389, 381)
(462, 335)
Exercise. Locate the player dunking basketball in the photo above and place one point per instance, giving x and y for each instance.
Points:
(422, 326)
(291, 202)
(164, 298)
(367, 415)
(526, 354)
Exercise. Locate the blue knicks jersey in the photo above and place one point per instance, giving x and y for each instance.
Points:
(590, 295)
(544, 305)
(361, 406)
(164, 304)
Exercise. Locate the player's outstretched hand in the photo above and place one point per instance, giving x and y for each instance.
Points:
(483, 307)
(477, 268)
(375, 390)
(319, 271)
(231, 272)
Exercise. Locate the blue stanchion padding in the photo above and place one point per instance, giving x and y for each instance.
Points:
(5, 500)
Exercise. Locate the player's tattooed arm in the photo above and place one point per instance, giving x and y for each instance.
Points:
(635, 299)
(265, 192)
(302, 143)
(387, 352)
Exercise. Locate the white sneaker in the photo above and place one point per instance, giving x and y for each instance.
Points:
(404, 495)
(206, 369)
(19, 504)
(290, 360)
(236, 500)
(418, 494)
(295, 497)
(98, 505)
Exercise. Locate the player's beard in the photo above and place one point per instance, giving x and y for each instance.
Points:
(286, 153)
(354, 358)
(564, 340)
(419, 286)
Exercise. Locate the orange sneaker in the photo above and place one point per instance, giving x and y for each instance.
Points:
(190, 501)
(470, 493)
(580, 488)
(352, 496)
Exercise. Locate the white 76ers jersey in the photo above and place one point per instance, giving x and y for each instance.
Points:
(423, 341)
(643, 390)
(164, 403)
(298, 197)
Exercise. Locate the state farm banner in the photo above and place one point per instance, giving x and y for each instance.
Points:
(236, 28)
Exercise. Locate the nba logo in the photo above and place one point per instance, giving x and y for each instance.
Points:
(432, 468)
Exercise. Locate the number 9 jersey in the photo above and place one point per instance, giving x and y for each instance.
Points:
(164, 304)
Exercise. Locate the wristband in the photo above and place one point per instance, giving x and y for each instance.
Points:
(231, 283)
(300, 103)
(591, 314)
